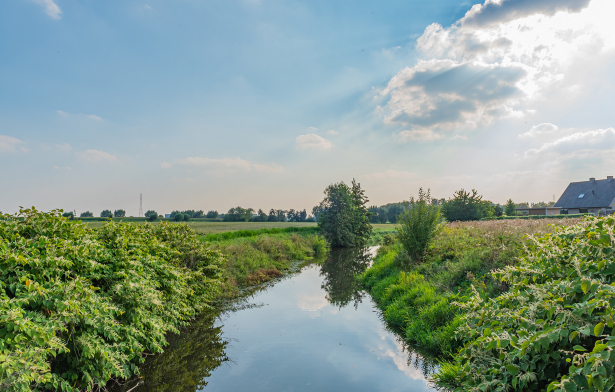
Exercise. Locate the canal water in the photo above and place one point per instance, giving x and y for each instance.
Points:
(314, 330)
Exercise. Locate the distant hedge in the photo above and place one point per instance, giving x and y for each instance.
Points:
(559, 216)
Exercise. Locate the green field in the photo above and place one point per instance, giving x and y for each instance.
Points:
(220, 227)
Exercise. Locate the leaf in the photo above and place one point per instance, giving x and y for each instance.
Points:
(487, 332)
(585, 285)
(579, 348)
(512, 369)
(598, 329)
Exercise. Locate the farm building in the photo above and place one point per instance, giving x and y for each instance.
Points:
(593, 196)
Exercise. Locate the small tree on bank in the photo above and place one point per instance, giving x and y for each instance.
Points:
(419, 225)
(343, 216)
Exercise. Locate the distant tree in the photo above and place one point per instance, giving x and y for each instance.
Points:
(119, 213)
(464, 206)
(523, 205)
(344, 218)
(302, 216)
(86, 214)
(186, 217)
(394, 210)
(316, 211)
(310, 219)
(178, 217)
(198, 214)
(419, 225)
(498, 210)
(260, 216)
(212, 214)
(106, 214)
(382, 215)
(175, 213)
(68, 215)
(280, 215)
(374, 217)
(510, 208)
(291, 215)
(273, 217)
(543, 204)
(238, 214)
(151, 215)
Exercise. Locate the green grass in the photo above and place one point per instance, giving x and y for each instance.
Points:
(204, 227)
(253, 233)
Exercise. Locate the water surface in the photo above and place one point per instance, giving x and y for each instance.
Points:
(312, 331)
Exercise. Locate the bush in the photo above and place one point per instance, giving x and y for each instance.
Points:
(178, 217)
(80, 306)
(119, 213)
(552, 330)
(418, 225)
(465, 206)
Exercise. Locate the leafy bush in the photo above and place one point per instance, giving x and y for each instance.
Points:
(80, 306)
(552, 330)
(418, 225)
(464, 206)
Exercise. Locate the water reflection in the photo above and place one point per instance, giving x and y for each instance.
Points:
(187, 361)
(339, 271)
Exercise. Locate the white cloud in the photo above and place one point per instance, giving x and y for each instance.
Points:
(165, 165)
(601, 139)
(332, 132)
(9, 143)
(64, 147)
(62, 168)
(51, 8)
(231, 163)
(313, 141)
(422, 135)
(500, 57)
(93, 117)
(62, 113)
(388, 174)
(539, 130)
(96, 156)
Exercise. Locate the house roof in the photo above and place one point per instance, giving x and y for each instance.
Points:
(596, 194)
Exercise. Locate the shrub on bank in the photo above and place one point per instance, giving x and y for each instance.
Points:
(552, 330)
(80, 306)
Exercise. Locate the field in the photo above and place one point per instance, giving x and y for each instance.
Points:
(220, 227)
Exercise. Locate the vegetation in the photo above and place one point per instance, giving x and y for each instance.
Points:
(558, 216)
(552, 330)
(511, 208)
(212, 214)
(191, 214)
(466, 206)
(418, 226)
(106, 214)
(68, 215)
(86, 214)
(344, 219)
(81, 306)
(238, 214)
(119, 213)
(253, 233)
(419, 299)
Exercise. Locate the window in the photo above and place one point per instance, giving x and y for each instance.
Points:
(582, 210)
(564, 211)
(581, 195)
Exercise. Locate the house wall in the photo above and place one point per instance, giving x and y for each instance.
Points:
(573, 211)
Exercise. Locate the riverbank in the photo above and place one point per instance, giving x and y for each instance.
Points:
(419, 300)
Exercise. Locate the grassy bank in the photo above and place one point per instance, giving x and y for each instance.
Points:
(419, 300)
(212, 227)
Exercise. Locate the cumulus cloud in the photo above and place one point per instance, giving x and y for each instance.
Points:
(539, 130)
(423, 135)
(388, 174)
(96, 156)
(231, 163)
(601, 139)
(165, 165)
(495, 60)
(10, 144)
(51, 8)
(312, 141)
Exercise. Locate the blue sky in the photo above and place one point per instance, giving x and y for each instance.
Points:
(214, 104)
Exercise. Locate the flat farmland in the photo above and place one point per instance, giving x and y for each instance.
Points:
(221, 227)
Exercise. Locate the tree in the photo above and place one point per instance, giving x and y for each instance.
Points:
(510, 208)
(393, 211)
(464, 206)
(212, 214)
(280, 215)
(198, 214)
(260, 216)
(419, 225)
(272, 216)
(498, 210)
(106, 214)
(186, 217)
(119, 213)
(68, 215)
(302, 216)
(316, 211)
(178, 217)
(543, 204)
(86, 214)
(238, 214)
(151, 215)
(344, 218)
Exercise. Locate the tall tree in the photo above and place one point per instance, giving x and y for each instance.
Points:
(106, 214)
(464, 206)
(212, 214)
(510, 208)
(344, 219)
(86, 214)
(119, 213)
(273, 217)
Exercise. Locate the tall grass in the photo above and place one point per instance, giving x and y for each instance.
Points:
(417, 298)
(254, 233)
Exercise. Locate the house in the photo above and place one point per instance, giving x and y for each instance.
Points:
(593, 196)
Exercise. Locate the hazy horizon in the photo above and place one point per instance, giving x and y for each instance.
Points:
(263, 103)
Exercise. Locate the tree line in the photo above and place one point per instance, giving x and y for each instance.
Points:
(239, 214)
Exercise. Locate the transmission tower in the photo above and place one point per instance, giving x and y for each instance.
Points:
(140, 204)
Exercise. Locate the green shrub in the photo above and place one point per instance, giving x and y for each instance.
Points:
(552, 330)
(418, 225)
(80, 306)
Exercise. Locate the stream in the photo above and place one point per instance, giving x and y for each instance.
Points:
(313, 330)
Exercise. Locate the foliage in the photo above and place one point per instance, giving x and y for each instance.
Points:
(543, 204)
(498, 210)
(344, 220)
(191, 214)
(465, 206)
(378, 214)
(151, 215)
(261, 216)
(106, 214)
(212, 214)
(297, 216)
(80, 306)
(339, 272)
(558, 216)
(552, 330)
(238, 214)
(178, 217)
(418, 225)
(394, 211)
(86, 214)
(253, 233)
(510, 208)
(119, 213)
(68, 215)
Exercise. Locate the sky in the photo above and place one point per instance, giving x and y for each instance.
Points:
(263, 103)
